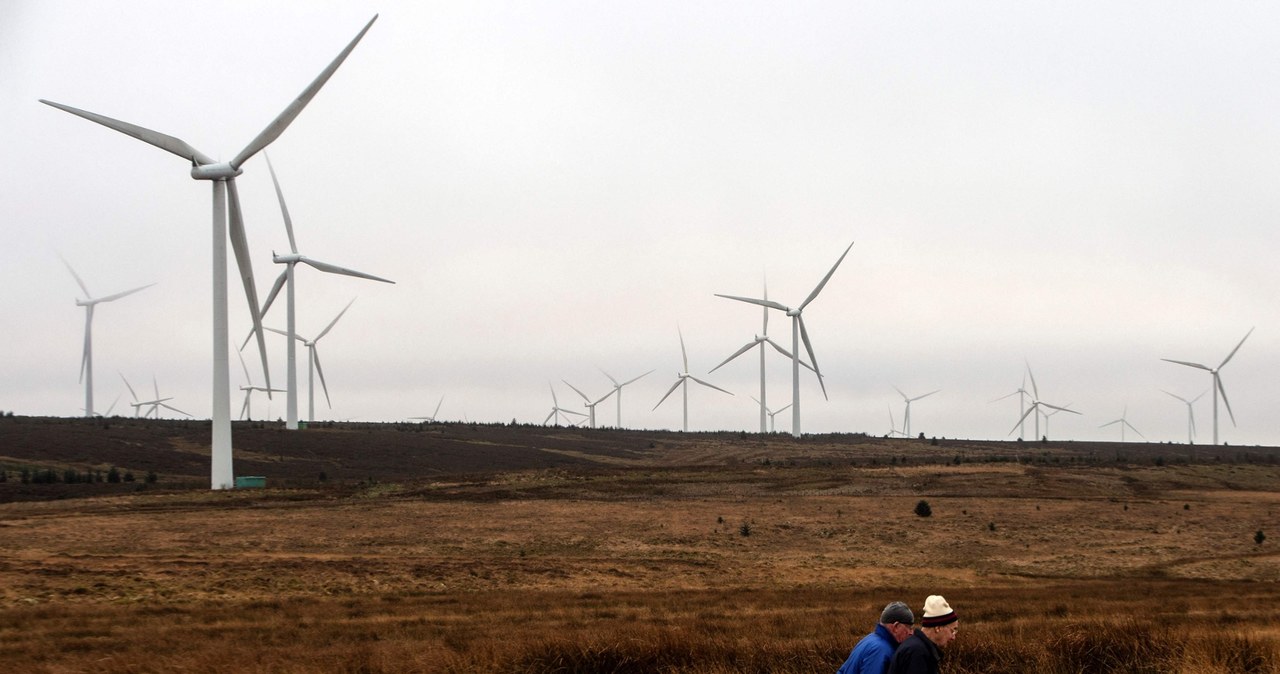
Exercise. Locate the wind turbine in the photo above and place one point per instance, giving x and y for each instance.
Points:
(226, 198)
(1047, 415)
(906, 416)
(86, 360)
(1036, 404)
(774, 413)
(286, 279)
(682, 382)
(557, 411)
(1123, 421)
(1022, 403)
(313, 362)
(1191, 415)
(760, 340)
(618, 387)
(1216, 384)
(155, 403)
(798, 331)
(250, 388)
(591, 406)
(893, 425)
(434, 414)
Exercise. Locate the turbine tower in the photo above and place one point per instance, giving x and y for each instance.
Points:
(313, 362)
(286, 279)
(682, 382)
(1216, 384)
(906, 416)
(86, 359)
(760, 340)
(226, 198)
(591, 406)
(1036, 404)
(1123, 422)
(618, 387)
(1191, 415)
(798, 331)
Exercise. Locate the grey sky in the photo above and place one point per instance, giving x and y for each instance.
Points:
(557, 187)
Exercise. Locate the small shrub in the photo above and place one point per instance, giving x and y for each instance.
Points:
(744, 530)
(1259, 537)
(923, 509)
(991, 526)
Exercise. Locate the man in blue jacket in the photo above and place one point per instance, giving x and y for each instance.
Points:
(872, 654)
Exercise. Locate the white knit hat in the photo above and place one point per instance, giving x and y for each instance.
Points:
(937, 612)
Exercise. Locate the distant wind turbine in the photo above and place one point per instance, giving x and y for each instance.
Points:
(434, 414)
(1022, 403)
(249, 388)
(761, 340)
(226, 197)
(618, 388)
(1216, 384)
(86, 358)
(906, 415)
(557, 411)
(798, 331)
(590, 405)
(682, 382)
(1124, 422)
(1191, 415)
(313, 362)
(154, 404)
(1036, 405)
(893, 425)
(286, 279)
(1048, 415)
(774, 413)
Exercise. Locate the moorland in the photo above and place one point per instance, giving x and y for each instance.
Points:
(489, 547)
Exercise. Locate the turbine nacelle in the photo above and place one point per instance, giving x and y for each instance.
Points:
(793, 312)
(220, 171)
(291, 258)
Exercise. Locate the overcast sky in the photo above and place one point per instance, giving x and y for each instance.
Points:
(560, 187)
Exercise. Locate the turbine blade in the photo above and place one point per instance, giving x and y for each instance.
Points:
(284, 210)
(708, 384)
(329, 327)
(764, 303)
(240, 244)
(126, 384)
(315, 357)
(1134, 429)
(629, 380)
(1221, 389)
(737, 353)
(126, 293)
(335, 269)
(1060, 409)
(282, 122)
(163, 141)
(669, 391)
(1035, 390)
(1233, 351)
(684, 355)
(271, 296)
(615, 381)
(245, 407)
(79, 281)
(826, 278)
(575, 390)
(1183, 362)
(245, 367)
(1175, 396)
(925, 395)
(1034, 406)
(603, 397)
(437, 412)
(804, 336)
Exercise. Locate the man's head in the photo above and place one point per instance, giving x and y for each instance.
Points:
(898, 619)
(939, 623)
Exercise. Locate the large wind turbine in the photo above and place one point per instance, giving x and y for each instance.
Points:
(798, 331)
(760, 340)
(1123, 421)
(286, 279)
(1191, 415)
(587, 402)
(906, 416)
(226, 198)
(86, 360)
(618, 387)
(313, 362)
(682, 382)
(1216, 383)
(1036, 404)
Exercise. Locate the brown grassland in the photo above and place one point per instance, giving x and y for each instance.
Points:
(477, 548)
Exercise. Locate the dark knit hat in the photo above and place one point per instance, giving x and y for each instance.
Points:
(937, 612)
(897, 612)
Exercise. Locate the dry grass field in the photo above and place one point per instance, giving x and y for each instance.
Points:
(464, 548)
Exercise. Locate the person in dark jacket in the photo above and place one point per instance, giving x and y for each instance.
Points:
(921, 653)
(872, 654)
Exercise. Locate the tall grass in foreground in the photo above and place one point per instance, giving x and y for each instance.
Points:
(1069, 628)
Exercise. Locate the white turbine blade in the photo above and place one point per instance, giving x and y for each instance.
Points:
(826, 278)
(575, 390)
(329, 327)
(315, 357)
(1183, 362)
(1024, 416)
(764, 303)
(780, 409)
(555, 404)
(163, 141)
(245, 368)
(804, 336)
(1126, 423)
(284, 210)
(1202, 394)
(631, 380)
(278, 331)
(684, 355)
(437, 412)
(79, 281)
(1060, 409)
(335, 269)
(240, 244)
(171, 407)
(245, 407)
(1006, 396)
(603, 397)
(1176, 396)
(564, 411)
(553, 413)
(904, 396)
(271, 296)
(615, 381)
(1111, 423)
(925, 395)
(1233, 351)
(1218, 381)
(737, 353)
(674, 386)
(708, 384)
(780, 349)
(1035, 390)
(110, 298)
(113, 406)
(282, 122)
(126, 384)
(156, 387)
